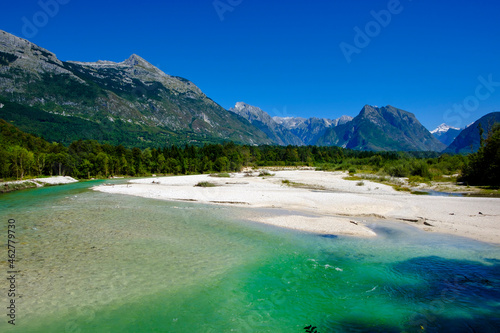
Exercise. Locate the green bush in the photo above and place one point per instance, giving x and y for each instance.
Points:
(420, 168)
(397, 169)
(205, 184)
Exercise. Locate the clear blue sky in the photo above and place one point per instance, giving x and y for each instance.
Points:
(289, 57)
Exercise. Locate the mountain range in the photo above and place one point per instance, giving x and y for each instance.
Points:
(287, 130)
(135, 104)
(374, 128)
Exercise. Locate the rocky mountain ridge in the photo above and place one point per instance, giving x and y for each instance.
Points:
(133, 95)
(287, 130)
(136, 104)
(374, 128)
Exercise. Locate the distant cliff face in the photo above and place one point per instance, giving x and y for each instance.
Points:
(133, 92)
(310, 130)
(276, 132)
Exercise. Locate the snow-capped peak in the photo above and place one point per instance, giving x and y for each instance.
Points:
(443, 128)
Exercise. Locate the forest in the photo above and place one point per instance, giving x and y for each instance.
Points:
(24, 155)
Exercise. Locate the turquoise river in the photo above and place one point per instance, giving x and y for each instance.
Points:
(93, 262)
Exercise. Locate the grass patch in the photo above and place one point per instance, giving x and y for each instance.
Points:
(487, 191)
(415, 180)
(445, 178)
(205, 184)
(221, 175)
(9, 187)
(352, 178)
(265, 173)
(361, 183)
(302, 185)
(400, 188)
(419, 193)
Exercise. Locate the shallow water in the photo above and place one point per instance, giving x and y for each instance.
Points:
(443, 194)
(95, 262)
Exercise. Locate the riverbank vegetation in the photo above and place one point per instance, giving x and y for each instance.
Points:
(23, 155)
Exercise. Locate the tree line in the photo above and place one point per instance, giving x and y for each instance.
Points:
(24, 155)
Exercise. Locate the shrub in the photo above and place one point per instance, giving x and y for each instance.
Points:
(420, 168)
(205, 184)
(399, 169)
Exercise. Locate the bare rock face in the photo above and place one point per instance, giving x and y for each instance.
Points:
(278, 133)
(136, 67)
(20, 58)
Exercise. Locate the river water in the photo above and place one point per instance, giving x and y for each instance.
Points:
(96, 262)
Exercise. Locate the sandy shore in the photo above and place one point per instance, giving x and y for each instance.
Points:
(334, 205)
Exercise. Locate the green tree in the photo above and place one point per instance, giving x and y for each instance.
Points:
(221, 164)
(484, 165)
(4, 164)
(22, 161)
(160, 163)
(40, 161)
(85, 167)
(102, 164)
(173, 166)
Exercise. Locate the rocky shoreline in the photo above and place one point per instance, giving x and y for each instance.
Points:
(16, 185)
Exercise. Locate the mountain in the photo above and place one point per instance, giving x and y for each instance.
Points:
(287, 130)
(385, 128)
(446, 134)
(468, 140)
(131, 100)
(278, 133)
(309, 130)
